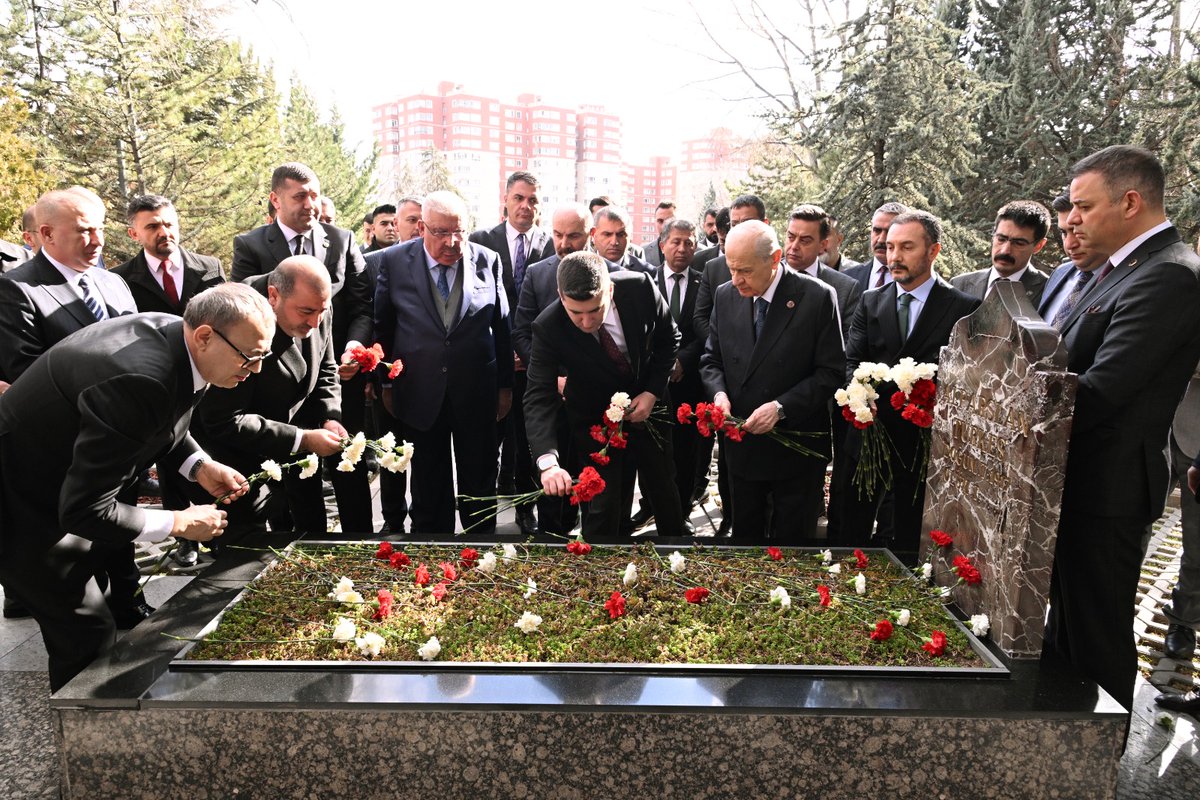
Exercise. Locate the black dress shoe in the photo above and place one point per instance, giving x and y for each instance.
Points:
(688, 528)
(14, 610)
(526, 520)
(726, 529)
(1180, 642)
(130, 617)
(642, 518)
(186, 554)
(1187, 703)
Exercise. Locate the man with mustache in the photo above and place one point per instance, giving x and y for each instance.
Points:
(875, 274)
(1019, 235)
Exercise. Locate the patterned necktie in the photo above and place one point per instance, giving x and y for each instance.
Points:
(760, 316)
(882, 273)
(519, 262)
(614, 353)
(1072, 299)
(169, 284)
(443, 285)
(905, 301)
(676, 301)
(90, 301)
(992, 285)
(299, 249)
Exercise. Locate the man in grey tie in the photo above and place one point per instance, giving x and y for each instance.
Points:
(1071, 278)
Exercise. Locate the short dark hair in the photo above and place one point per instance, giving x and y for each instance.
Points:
(891, 207)
(294, 171)
(368, 217)
(811, 212)
(931, 224)
(523, 177)
(722, 220)
(1062, 203)
(599, 202)
(676, 224)
(1126, 168)
(664, 204)
(1027, 214)
(270, 209)
(711, 211)
(146, 202)
(582, 275)
(753, 201)
(386, 208)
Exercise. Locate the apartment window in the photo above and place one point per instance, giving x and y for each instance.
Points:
(459, 102)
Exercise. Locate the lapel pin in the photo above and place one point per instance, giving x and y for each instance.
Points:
(791, 304)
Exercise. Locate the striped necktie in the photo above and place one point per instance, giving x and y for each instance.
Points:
(90, 300)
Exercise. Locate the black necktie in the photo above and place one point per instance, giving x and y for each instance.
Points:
(760, 316)
(299, 245)
(675, 299)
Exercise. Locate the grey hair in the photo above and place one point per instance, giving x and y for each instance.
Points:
(931, 224)
(579, 210)
(294, 268)
(614, 214)
(676, 224)
(226, 304)
(765, 242)
(445, 203)
(582, 275)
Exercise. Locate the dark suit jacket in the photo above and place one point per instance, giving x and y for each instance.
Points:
(1134, 340)
(467, 363)
(690, 388)
(540, 246)
(976, 283)
(875, 337)
(716, 272)
(704, 256)
(653, 253)
(85, 420)
(39, 309)
(1063, 276)
(199, 273)
(12, 256)
(260, 250)
(798, 361)
(592, 379)
(259, 418)
(849, 295)
(861, 273)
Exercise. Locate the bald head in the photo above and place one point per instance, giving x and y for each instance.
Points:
(571, 226)
(70, 225)
(299, 292)
(753, 253)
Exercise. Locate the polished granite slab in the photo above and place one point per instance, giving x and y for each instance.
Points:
(1040, 732)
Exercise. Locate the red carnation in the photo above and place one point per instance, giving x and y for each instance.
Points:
(618, 441)
(734, 432)
(395, 368)
(469, 557)
(702, 427)
(966, 570)
(848, 415)
(599, 435)
(612, 425)
(601, 459)
(936, 644)
(448, 570)
(716, 417)
(385, 605)
(421, 575)
(385, 551)
(883, 631)
(898, 400)
(399, 559)
(775, 553)
(368, 358)
(684, 414)
(941, 538)
(439, 591)
(615, 606)
(587, 487)
(823, 594)
(861, 558)
(923, 393)
(579, 547)
(697, 594)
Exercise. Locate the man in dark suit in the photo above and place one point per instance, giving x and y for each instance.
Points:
(295, 196)
(664, 211)
(832, 256)
(383, 228)
(293, 406)
(96, 409)
(774, 358)
(610, 240)
(910, 317)
(875, 274)
(1133, 338)
(808, 235)
(1071, 278)
(609, 333)
(163, 277)
(1019, 234)
(440, 306)
(42, 302)
(520, 243)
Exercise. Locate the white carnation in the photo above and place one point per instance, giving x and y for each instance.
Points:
(860, 583)
(401, 457)
(429, 651)
(927, 570)
(308, 466)
(678, 562)
(780, 595)
(344, 585)
(621, 400)
(273, 470)
(980, 624)
(487, 564)
(354, 451)
(530, 588)
(388, 440)
(349, 597)
(631, 576)
(371, 644)
(827, 556)
(835, 569)
(528, 623)
(345, 465)
(615, 413)
(344, 630)
(904, 617)
(510, 552)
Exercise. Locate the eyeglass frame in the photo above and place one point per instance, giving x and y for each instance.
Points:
(1015, 241)
(247, 361)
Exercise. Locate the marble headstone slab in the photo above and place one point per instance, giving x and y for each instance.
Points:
(999, 450)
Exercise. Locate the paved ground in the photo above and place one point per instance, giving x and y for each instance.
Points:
(1161, 762)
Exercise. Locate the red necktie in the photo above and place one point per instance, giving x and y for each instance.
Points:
(169, 284)
(882, 272)
(613, 351)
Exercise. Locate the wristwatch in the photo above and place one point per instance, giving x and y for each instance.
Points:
(195, 470)
(546, 461)
(779, 411)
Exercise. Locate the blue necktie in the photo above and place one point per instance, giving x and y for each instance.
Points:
(1077, 291)
(760, 316)
(443, 284)
(519, 261)
(90, 301)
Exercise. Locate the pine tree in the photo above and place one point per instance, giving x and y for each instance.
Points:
(21, 181)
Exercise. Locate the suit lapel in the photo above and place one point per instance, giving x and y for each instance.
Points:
(689, 301)
(630, 326)
(419, 274)
(276, 244)
(140, 275)
(889, 323)
(1100, 288)
(192, 275)
(320, 244)
(56, 286)
(935, 308)
(779, 316)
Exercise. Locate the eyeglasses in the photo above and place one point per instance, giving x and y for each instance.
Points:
(247, 361)
(1000, 238)
(438, 233)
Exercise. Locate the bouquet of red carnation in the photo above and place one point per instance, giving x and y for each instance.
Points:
(914, 398)
(612, 432)
(370, 358)
(586, 487)
(710, 419)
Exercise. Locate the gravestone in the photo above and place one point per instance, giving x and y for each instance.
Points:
(997, 461)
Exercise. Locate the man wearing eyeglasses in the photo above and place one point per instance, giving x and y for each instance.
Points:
(291, 408)
(1019, 235)
(440, 307)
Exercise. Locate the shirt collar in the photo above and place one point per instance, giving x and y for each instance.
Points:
(71, 275)
(290, 235)
(921, 293)
(813, 268)
(155, 262)
(994, 276)
(198, 381)
(1118, 258)
(512, 234)
(431, 263)
(769, 294)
